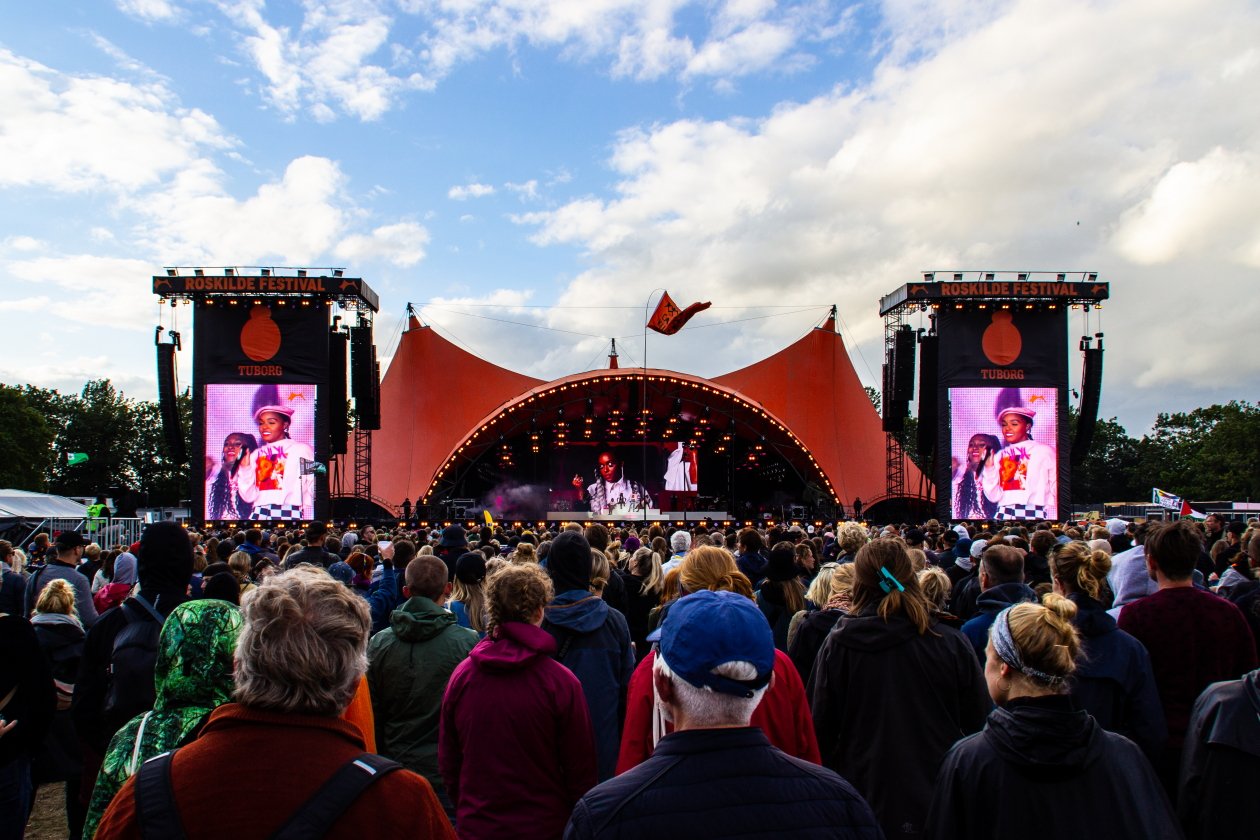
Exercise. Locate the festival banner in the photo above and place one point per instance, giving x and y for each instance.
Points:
(1165, 500)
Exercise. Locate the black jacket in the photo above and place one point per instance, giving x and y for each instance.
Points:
(722, 783)
(1114, 681)
(809, 638)
(888, 703)
(1220, 768)
(1044, 768)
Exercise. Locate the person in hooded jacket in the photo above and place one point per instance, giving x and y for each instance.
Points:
(1220, 765)
(515, 747)
(61, 639)
(814, 627)
(592, 640)
(193, 677)
(1001, 584)
(409, 665)
(1059, 773)
(751, 559)
(1113, 681)
(119, 588)
(892, 690)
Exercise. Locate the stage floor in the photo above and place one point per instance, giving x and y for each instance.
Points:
(640, 516)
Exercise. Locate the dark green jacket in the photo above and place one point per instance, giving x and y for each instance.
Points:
(409, 664)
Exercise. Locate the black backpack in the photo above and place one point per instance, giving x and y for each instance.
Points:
(158, 815)
(132, 662)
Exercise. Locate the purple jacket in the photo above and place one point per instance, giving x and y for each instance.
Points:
(515, 747)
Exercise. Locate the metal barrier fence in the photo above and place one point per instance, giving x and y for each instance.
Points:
(105, 533)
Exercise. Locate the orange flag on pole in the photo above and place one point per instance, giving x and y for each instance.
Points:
(669, 319)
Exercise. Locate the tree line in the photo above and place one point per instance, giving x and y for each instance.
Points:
(122, 437)
(1210, 453)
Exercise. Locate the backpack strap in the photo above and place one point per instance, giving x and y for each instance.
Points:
(136, 602)
(156, 813)
(318, 814)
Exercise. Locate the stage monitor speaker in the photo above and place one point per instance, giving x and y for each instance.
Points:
(929, 354)
(1091, 394)
(903, 364)
(338, 420)
(168, 405)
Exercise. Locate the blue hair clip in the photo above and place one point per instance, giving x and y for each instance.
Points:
(887, 585)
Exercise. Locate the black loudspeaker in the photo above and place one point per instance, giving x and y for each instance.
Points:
(1091, 394)
(338, 420)
(903, 364)
(894, 411)
(361, 370)
(929, 354)
(172, 428)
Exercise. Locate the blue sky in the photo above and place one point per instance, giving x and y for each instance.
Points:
(552, 162)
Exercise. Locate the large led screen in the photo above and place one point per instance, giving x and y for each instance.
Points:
(625, 478)
(1004, 453)
(257, 437)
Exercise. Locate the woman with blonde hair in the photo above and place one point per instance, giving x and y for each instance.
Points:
(241, 565)
(811, 630)
(61, 636)
(524, 553)
(936, 587)
(1114, 680)
(1060, 774)
(783, 713)
(893, 689)
(644, 584)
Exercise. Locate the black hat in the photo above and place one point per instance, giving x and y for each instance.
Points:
(453, 537)
(569, 562)
(67, 540)
(471, 567)
(915, 536)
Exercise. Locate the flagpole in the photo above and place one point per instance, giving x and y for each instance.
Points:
(643, 399)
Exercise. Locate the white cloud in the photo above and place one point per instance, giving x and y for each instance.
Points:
(92, 290)
(527, 191)
(147, 10)
(401, 244)
(74, 133)
(1126, 153)
(22, 243)
(467, 191)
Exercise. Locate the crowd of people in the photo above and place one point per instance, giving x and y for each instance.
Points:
(984, 679)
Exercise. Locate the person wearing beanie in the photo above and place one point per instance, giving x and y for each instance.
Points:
(782, 595)
(467, 594)
(104, 702)
(592, 641)
(341, 572)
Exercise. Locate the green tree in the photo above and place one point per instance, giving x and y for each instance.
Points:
(1111, 471)
(1209, 453)
(154, 469)
(102, 423)
(26, 442)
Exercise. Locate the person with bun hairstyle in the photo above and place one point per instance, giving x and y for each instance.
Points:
(892, 689)
(1060, 774)
(783, 713)
(515, 744)
(1113, 680)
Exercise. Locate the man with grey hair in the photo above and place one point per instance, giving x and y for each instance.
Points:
(301, 654)
(679, 544)
(714, 775)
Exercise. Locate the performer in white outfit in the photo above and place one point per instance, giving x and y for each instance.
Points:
(1021, 477)
(270, 477)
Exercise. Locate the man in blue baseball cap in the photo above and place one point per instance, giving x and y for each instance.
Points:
(714, 775)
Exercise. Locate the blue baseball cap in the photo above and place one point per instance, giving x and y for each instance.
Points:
(706, 629)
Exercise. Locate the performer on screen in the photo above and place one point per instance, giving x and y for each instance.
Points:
(271, 477)
(612, 491)
(968, 496)
(1020, 477)
(223, 498)
(681, 477)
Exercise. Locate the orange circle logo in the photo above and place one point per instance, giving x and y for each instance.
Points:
(260, 337)
(1001, 341)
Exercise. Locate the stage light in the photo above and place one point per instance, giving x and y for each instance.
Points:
(1021, 277)
(929, 276)
(170, 272)
(266, 272)
(229, 272)
(1061, 277)
(958, 278)
(337, 272)
(301, 272)
(197, 272)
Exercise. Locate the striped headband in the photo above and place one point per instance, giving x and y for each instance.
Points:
(1004, 647)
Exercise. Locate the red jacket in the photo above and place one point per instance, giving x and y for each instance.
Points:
(515, 744)
(251, 770)
(783, 714)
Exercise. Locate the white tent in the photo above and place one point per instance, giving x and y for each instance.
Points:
(23, 504)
